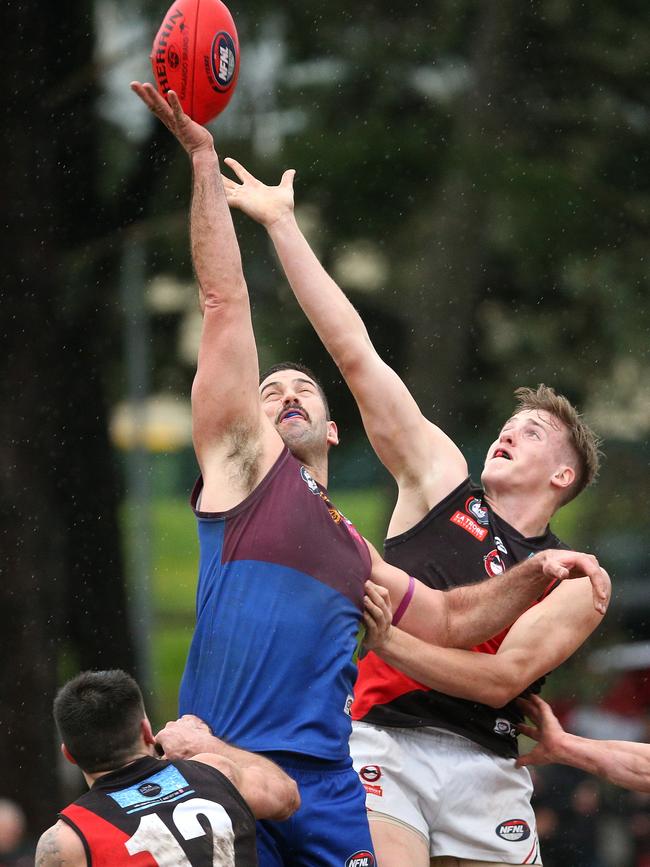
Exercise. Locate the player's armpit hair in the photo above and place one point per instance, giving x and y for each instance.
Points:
(583, 440)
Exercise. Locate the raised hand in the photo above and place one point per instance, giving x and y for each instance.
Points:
(191, 135)
(260, 202)
(563, 565)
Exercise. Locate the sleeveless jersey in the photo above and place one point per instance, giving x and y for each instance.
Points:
(154, 813)
(461, 541)
(273, 659)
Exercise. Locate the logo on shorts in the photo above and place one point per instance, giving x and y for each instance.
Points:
(513, 830)
(493, 563)
(504, 727)
(370, 773)
(361, 859)
(476, 508)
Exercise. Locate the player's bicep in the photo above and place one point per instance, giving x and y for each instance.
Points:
(60, 845)
(548, 633)
(225, 389)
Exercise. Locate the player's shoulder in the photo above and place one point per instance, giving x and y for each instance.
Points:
(60, 845)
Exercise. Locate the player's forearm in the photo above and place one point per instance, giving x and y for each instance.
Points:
(215, 251)
(477, 612)
(460, 673)
(620, 762)
(334, 318)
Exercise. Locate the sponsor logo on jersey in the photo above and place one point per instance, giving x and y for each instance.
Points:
(513, 830)
(493, 563)
(149, 790)
(504, 727)
(499, 543)
(469, 524)
(170, 786)
(370, 773)
(361, 859)
(309, 480)
(476, 508)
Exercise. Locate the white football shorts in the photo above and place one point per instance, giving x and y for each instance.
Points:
(466, 802)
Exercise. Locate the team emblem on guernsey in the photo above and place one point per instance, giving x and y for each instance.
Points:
(494, 564)
(361, 859)
(513, 830)
(309, 480)
(475, 507)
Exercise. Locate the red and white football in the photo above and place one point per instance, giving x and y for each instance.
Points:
(196, 54)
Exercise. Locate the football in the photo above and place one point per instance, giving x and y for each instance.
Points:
(196, 54)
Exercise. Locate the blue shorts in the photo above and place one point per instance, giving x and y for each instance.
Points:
(330, 829)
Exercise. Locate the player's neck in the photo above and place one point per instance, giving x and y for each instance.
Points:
(529, 515)
(140, 754)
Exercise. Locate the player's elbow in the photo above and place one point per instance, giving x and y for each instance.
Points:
(282, 802)
(503, 688)
(352, 355)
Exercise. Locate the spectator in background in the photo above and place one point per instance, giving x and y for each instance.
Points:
(16, 850)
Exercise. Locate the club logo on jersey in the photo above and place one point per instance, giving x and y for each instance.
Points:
(309, 480)
(504, 728)
(361, 859)
(370, 773)
(499, 543)
(513, 830)
(149, 790)
(476, 508)
(493, 563)
(460, 519)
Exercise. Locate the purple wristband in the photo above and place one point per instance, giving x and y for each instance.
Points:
(406, 601)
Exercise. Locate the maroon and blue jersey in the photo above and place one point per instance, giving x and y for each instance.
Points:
(272, 663)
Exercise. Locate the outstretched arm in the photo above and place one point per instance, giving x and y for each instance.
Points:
(465, 616)
(267, 790)
(425, 462)
(540, 640)
(234, 442)
(622, 763)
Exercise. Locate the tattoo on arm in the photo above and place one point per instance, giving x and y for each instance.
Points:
(48, 851)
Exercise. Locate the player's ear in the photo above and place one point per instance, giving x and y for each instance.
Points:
(563, 477)
(66, 752)
(332, 433)
(147, 732)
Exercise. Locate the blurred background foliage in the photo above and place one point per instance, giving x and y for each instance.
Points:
(476, 175)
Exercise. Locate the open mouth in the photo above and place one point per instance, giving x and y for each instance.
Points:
(292, 413)
(502, 453)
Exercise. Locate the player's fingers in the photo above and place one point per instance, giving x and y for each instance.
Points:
(601, 588)
(287, 178)
(529, 731)
(175, 103)
(239, 170)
